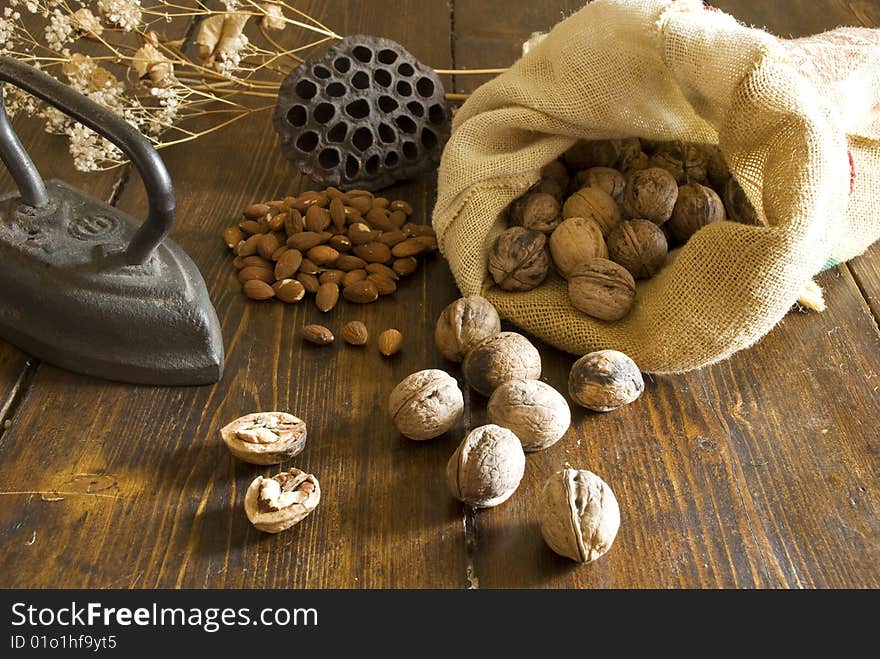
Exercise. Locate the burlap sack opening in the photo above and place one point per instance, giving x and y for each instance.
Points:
(787, 114)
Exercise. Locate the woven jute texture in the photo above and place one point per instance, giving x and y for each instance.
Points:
(798, 121)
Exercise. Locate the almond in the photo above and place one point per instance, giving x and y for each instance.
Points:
(278, 253)
(380, 202)
(289, 290)
(248, 247)
(384, 285)
(232, 236)
(405, 266)
(374, 252)
(353, 276)
(409, 247)
(361, 204)
(390, 342)
(317, 219)
(392, 238)
(305, 240)
(327, 296)
(361, 292)
(309, 267)
(288, 264)
(255, 211)
(417, 229)
(317, 334)
(334, 276)
(267, 245)
(378, 218)
(256, 272)
(334, 193)
(247, 261)
(337, 213)
(309, 282)
(322, 255)
(397, 219)
(250, 227)
(276, 222)
(381, 269)
(340, 243)
(293, 223)
(310, 198)
(400, 205)
(348, 262)
(258, 290)
(355, 333)
(359, 233)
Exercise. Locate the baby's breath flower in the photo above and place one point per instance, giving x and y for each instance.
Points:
(59, 32)
(86, 22)
(122, 13)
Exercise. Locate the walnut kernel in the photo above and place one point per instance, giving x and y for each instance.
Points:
(275, 504)
(265, 438)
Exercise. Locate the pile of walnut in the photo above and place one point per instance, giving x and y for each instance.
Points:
(579, 515)
(607, 213)
(326, 243)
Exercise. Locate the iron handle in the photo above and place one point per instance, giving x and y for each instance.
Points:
(133, 144)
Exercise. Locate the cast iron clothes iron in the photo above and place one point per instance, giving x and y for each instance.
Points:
(85, 286)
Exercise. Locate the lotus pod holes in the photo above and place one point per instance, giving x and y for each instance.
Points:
(364, 114)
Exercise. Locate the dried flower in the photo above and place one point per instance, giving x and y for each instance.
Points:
(126, 14)
(86, 22)
(273, 18)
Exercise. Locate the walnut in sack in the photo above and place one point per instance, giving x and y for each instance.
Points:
(576, 241)
(593, 153)
(426, 404)
(737, 205)
(463, 324)
(487, 467)
(593, 204)
(500, 358)
(686, 162)
(697, 206)
(717, 171)
(639, 246)
(650, 194)
(631, 156)
(519, 260)
(541, 212)
(610, 181)
(602, 289)
(275, 504)
(578, 515)
(604, 380)
(265, 438)
(533, 410)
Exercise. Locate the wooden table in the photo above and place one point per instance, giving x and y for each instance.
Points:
(761, 471)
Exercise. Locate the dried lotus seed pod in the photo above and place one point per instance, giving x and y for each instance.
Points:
(697, 206)
(593, 153)
(576, 241)
(275, 504)
(519, 260)
(265, 438)
(602, 289)
(505, 356)
(650, 194)
(533, 410)
(487, 467)
(463, 324)
(593, 204)
(541, 212)
(639, 246)
(604, 380)
(578, 515)
(610, 181)
(426, 404)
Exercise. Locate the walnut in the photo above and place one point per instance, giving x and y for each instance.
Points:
(265, 438)
(576, 241)
(604, 380)
(487, 467)
(578, 515)
(631, 156)
(426, 404)
(593, 153)
(738, 207)
(639, 246)
(550, 186)
(602, 289)
(610, 181)
(541, 212)
(533, 410)
(650, 194)
(697, 206)
(500, 358)
(717, 171)
(519, 260)
(686, 162)
(556, 171)
(464, 324)
(275, 504)
(593, 204)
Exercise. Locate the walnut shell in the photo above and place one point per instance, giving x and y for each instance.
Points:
(604, 380)
(578, 515)
(500, 358)
(610, 181)
(717, 171)
(557, 172)
(519, 260)
(737, 204)
(650, 194)
(576, 241)
(541, 212)
(463, 324)
(593, 153)
(602, 289)
(593, 204)
(426, 404)
(697, 206)
(686, 162)
(639, 246)
(487, 467)
(275, 504)
(534, 411)
(265, 438)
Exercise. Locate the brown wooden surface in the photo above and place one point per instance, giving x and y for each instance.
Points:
(758, 472)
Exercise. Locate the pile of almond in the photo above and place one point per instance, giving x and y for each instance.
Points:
(325, 244)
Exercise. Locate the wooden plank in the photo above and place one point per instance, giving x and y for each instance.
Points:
(866, 271)
(149, 465)
(754, 472)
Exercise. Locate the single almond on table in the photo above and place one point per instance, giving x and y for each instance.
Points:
(405, 266)
(337, 213)
(317, 219)
(289, 290)
(355, 333)
(258, 290)
(390, 342)
(317, 334)
(327, 296)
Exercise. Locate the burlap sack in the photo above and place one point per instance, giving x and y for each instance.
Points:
(787, 114)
